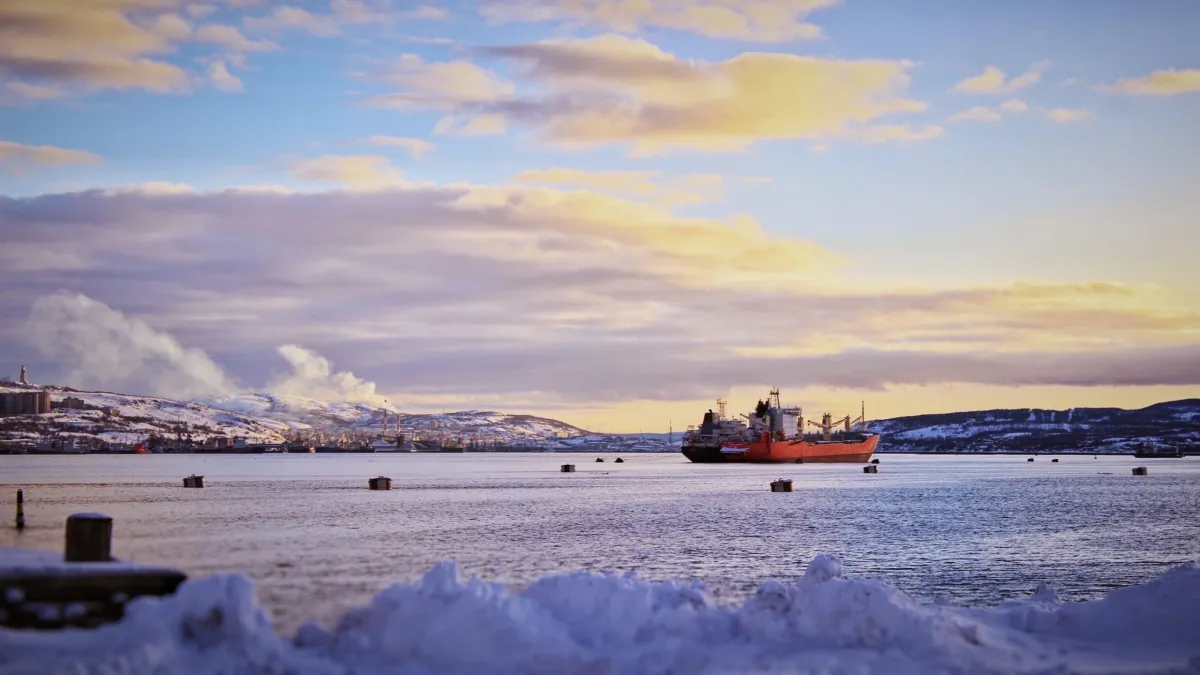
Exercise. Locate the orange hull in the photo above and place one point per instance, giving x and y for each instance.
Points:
(795, 451)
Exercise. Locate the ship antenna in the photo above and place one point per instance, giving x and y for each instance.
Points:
(721, 407)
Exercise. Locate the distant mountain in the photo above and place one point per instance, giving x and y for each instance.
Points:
(1090, 430)
(110, 418)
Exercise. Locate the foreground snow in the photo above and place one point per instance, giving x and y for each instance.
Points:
(586, 623)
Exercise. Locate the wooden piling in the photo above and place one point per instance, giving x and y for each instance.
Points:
(193, 481)
(1140, 471)
(871, 468)
(380, 483)
(89, 538)
(20, 509)
(781, 485)
(567, 468)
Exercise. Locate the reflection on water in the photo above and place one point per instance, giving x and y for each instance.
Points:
(316, 541)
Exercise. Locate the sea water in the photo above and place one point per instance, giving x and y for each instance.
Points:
(971, 530)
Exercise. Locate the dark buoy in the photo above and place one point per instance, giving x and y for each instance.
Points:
(193, 481)
(871, 468)
(1140, 471)
(1029, 460)
(20, 509)
(567, 468)
(781, 485)
(599, 459)
(89, 538)
(1054, 460)
(379, 483)
(875, 461)
(619, 461)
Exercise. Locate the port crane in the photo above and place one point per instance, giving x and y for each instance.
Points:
(827, 423)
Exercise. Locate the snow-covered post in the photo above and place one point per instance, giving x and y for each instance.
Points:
(89, 538)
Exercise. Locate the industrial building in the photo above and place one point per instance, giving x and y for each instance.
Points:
(68, 403)
(25, 403)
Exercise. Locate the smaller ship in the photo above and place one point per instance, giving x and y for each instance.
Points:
(775, 434)
(1154, 451)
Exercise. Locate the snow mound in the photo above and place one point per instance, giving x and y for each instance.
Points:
(612, 624)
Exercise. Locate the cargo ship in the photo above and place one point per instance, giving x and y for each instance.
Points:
(775, 434)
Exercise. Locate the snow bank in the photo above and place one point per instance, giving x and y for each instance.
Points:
(601, 624)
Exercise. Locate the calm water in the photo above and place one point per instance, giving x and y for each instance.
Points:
(316, 541)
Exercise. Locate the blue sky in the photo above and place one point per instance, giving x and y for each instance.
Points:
(1075, 170)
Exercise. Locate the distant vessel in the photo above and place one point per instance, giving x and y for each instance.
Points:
(1150, 451)
(775, 434)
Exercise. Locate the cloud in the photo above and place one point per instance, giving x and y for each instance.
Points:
(1066, 115)
(1015, 105)
(97, 346)
(312, 376)
(231, 39)
(1170, 82)
(979, 113)
(471, 125)
(444, 85)
(755, 20)
(648, 186)
(993, 81)
(19, 157)
(222, 79)
(612, 89)
(356, 171)
(758, 179)
(568, 294)
(93, 45)
(416, 146)
(342, 13)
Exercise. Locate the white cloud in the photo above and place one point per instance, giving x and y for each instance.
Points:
(1067, 115)
(1015, 105)
(18, 157)
(979, 113)
(355, 171)
(1170, 82)
(222, 79)
(418, 147)
(232, 39)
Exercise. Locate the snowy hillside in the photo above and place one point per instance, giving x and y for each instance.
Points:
(125, 418)
(1093, 430)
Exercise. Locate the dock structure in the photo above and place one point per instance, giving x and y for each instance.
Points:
(83, 588)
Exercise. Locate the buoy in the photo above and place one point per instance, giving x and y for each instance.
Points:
(875, 461)
(89, 538)
(567, 468)
(619, 461)
(870, 468)
(20, 509)
(599, 459)
(1140, 471)
(1029, 460)
(379, 483)
(1054, 460)
(193, 481)
(781, 485)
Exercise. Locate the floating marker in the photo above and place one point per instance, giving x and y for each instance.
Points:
(89, 538)
(871, 468)
(379, 483)
(20, 509)
(193, 481)
(567, 468)
(781, 485)
(1140, 471)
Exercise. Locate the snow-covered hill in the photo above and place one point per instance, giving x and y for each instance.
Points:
(124, 418)
(1093, 430)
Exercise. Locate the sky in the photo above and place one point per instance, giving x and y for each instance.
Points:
(610, 212)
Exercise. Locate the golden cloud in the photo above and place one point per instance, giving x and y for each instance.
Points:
(993, 81)
(614, 89)
(756, 20)
(648, 186)
(16, 157)
(979, 113)
(1168, 82)
(369, 172)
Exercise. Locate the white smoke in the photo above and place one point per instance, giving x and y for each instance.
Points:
(313, 376)
(99, 347)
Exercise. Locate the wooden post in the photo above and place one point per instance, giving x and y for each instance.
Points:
(20, 509)
(89, 538)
